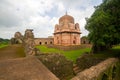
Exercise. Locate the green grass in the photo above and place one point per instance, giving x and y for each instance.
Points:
(3, 45)
(71, 55)
(49, 50)
(74, 54)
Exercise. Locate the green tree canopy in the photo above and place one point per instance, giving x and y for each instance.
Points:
(104, 25)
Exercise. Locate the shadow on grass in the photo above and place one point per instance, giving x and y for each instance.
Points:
(114, 52)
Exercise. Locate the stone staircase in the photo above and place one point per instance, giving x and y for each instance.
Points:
(76, 69)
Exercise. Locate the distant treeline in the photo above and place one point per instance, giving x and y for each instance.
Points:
(4, 41)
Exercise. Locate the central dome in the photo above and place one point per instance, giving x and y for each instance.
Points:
(67, 18)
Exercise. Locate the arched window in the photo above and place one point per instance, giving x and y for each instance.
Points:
(40, 43)
(75, 27)
(45, 42)
(74, 42)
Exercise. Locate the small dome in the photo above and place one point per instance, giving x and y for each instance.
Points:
(66, 17)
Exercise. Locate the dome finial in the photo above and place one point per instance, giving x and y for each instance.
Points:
(66, 12)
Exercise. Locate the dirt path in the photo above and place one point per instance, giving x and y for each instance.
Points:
(11, 51)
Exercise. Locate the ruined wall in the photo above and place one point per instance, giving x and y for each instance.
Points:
(43, 41)
(58, 65)
(108, 69)
(29, 43)
(17, 39)
(84, 40)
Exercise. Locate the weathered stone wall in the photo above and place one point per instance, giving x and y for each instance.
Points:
(108, 69)
(68, 48)
(84, 40)
(44, 41)
(17, 39)
(29, 43)
(87, 60)
(28, 68)
(58, 64)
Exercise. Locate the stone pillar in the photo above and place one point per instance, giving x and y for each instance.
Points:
(29, 43)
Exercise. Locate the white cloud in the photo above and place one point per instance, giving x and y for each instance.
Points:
(41, 15)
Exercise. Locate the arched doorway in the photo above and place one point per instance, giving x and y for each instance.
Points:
(40, 43)
(45, 42)
(74, 42)
(51, 42)
(84, 42)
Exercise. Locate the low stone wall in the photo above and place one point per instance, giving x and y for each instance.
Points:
(28, 68)
(108, 69)
(67, 48)
(58, 65)
(87, 60)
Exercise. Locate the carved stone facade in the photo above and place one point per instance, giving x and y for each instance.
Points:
(67, 32)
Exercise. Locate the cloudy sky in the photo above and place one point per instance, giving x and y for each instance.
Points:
(41, 15)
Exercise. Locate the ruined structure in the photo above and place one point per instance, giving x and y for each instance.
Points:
(105, 70)
(44, 41)
(29, 43)
(85, 40)
(18, 38)
(67, 32)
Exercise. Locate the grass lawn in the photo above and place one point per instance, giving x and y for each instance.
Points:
(74, 54)
(71, 55)
(3, 45)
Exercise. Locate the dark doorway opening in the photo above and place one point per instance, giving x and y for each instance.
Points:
(74, 42)
(84, 42)
(40, 43)
(45, 42)
(50, 42)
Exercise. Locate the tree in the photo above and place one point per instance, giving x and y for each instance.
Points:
(104, 25)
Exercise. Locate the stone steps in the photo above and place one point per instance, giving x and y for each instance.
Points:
(76, 69)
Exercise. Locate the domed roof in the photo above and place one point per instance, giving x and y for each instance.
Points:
(66, 17)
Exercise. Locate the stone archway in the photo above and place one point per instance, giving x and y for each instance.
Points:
(84, 42)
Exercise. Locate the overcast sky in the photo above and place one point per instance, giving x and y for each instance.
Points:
(41, 15)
